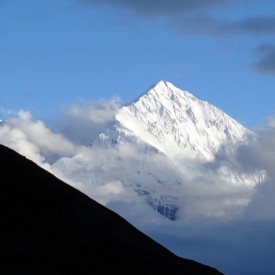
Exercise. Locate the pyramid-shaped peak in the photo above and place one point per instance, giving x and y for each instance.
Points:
(164, 83)
(167, 117)
(167, 87)
(164, 90)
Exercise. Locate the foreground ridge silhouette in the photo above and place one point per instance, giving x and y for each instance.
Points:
(48, 227)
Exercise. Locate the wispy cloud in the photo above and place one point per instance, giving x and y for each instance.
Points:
(200, 16)
(266, 63)
(84, 121)
(205, 24)
(204, 18)
(33, 139)
(161, 8)
(261, 25)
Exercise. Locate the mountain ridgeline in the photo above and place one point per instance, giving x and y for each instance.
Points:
(48, 227)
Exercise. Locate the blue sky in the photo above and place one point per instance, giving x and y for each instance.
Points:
(56, 53)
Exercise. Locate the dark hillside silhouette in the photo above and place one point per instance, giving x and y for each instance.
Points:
(48, 227)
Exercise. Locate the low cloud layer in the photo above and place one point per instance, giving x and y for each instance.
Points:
(204, 191)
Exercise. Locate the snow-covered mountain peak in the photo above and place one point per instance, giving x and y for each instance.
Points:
(164, 90)
(178, 124)
(157, 146)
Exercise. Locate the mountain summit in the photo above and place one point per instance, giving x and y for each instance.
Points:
(159, 144)
(176, 123)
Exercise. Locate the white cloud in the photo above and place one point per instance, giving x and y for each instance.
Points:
(17, 140)
(99, 112)
(260, 153)
(33, 139)
(84, 121)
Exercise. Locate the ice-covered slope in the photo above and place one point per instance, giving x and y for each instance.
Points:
(175, 123)
(183, 128)
(158, 145)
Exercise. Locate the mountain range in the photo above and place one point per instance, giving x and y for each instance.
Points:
(48, 227)
(159, 144)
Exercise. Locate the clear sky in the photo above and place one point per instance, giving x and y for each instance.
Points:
(55, 52)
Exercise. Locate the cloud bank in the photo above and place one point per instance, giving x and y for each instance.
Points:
(33, 139)
(204, 191)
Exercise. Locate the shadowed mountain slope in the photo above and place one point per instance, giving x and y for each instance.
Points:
(48, 227)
